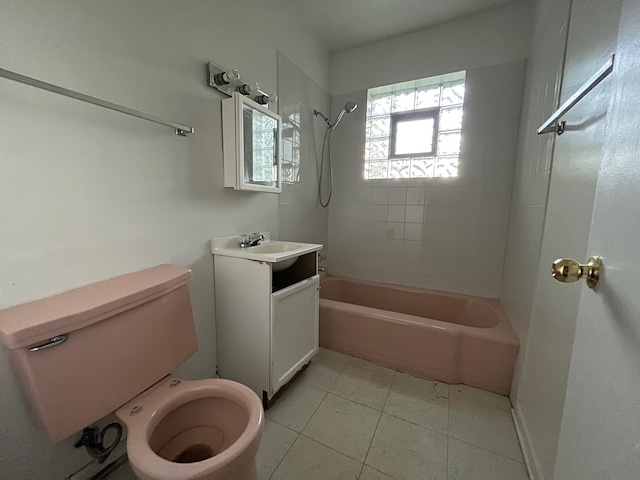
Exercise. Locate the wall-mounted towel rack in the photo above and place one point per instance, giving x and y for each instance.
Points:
(180, 129)
(552, 125)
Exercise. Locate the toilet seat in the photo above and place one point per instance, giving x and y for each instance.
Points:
(231, 402)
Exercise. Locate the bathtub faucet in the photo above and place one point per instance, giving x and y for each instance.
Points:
(250, 239)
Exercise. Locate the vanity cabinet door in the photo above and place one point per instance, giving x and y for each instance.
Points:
(294, 329)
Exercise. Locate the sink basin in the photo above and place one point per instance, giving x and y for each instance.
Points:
(282, 264)
(273, 247)
(277, 247)
(280, 254)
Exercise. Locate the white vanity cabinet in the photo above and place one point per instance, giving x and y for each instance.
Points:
(266, 320)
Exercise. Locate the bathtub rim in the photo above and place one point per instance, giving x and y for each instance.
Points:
(503, 331)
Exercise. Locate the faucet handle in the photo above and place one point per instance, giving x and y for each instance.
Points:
(244, 240)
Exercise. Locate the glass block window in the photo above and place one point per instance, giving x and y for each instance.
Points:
(260, 166)
(413, 129)
(291, 144)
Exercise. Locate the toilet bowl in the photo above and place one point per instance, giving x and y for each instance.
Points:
(111, 347)
(183, 430)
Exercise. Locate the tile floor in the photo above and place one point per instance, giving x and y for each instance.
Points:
(344, 418)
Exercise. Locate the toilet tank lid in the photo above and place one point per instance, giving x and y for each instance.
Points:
(34, 322)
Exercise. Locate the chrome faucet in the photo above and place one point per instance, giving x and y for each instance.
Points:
(250, 239)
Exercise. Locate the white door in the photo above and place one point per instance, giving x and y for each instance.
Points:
(294, 329)
(600, 432)
(591, 39)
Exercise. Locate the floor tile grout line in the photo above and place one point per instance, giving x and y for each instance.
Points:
(354, 401)
(285, 454)
(411, 422)
(485, 449)
(450, 402)
(448, 439)
(340, 374)
(371, 443)
(448, 434)
(377, 470)
(385, 404)
(331, 448)
(314, 412)
(449, 385)
(466, 400)
(389, 390)
(377, 424)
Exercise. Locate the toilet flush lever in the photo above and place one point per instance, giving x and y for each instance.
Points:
(52, 342)
(567, 270)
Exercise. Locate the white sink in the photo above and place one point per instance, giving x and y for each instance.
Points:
(279, 254)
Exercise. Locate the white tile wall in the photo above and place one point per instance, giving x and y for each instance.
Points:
(300, 216)
(448, 234)
(531, 177)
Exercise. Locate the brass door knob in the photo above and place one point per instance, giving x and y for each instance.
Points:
(567, 270)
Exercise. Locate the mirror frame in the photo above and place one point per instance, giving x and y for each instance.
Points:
(233, 144)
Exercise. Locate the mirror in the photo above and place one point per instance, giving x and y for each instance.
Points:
(260, 153)
(251, 141)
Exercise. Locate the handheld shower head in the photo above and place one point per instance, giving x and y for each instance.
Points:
(348, 108)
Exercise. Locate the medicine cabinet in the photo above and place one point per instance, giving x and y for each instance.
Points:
(251, 138)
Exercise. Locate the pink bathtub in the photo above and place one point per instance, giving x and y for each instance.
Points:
(442, 336)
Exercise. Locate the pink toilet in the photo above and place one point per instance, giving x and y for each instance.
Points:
(110, 347)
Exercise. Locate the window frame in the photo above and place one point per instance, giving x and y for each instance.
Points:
(426, 113)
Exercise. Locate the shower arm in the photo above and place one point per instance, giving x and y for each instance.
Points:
(316, 113)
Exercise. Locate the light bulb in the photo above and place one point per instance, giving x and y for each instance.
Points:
(246, 89)
(263, 99)
(225, 78)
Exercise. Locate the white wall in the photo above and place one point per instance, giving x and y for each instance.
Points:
(498, 36)
(447, 234)
(87, 194)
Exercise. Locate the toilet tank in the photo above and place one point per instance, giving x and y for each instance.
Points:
(122, 336)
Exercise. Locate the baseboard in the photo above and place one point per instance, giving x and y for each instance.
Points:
(526, 445)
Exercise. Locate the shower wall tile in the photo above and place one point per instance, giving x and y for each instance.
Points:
(380, 196)
(413, 231)
(443, 233)
(532, 173)
(414, 214)
(379, 213)
(397, 196)
(300, 216)
(415, 195)
(395, 213)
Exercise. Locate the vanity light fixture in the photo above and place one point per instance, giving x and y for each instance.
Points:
(228, 81)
